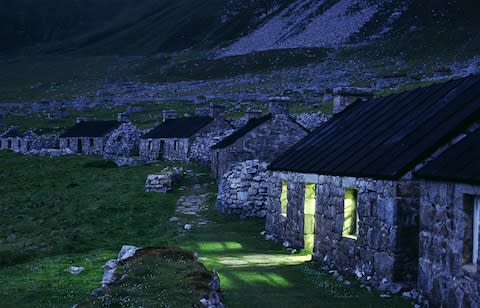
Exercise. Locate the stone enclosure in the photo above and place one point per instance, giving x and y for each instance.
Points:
(243, 190)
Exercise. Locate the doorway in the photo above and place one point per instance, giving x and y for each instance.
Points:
(309, 217)
(79, 145)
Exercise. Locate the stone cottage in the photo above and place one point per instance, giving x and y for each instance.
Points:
(263, 138)
(449, 225)
(172, 140)
(89, 137)
(13, 139)
(346, 191)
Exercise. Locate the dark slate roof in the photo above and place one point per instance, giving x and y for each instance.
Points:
(460, 163)
(11, 133)
(387, 136)
(179, 128)
(251, 124)
(91, 129)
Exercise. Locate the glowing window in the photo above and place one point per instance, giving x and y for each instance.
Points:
(284, 198)
(350, 215)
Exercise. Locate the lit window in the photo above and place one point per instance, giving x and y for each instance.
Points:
(284, 198)
(309, 217)
(471, 209)
(350, 215)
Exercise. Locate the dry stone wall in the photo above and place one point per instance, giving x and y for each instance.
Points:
(243, 190)
(443, 278)
(200, 150)
(124, 142)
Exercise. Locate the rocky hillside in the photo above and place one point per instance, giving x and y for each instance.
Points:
(239, 26)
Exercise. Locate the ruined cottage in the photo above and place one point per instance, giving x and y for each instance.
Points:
(172, 140)
(449, 225)
(124, 141)
(13, 139)
(346, 191)
(89, 137)
(263, 138)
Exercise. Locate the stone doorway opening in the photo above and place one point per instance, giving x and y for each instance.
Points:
(79, 146)
(309, 217)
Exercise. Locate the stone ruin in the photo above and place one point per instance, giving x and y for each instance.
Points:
(200, 151)
(163, 181)
(123, 142)
(243, 190)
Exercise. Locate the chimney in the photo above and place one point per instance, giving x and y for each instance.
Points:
(169, 114)
(82, 119)
(253, 114)
(202, 112)
(279, 106)
(217, 112)
(122, 117)
(345, 96)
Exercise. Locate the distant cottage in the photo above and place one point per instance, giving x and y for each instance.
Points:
(89, 137)
(172, 140)
(348, 193)
(262, 137)
(16, 141)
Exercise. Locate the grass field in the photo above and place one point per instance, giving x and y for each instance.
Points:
(79, 211)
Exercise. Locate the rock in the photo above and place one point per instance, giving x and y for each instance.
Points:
(163, 181)
(127, 251)
(75, 270)
(286, 244)
(187, 226)
(269, 237)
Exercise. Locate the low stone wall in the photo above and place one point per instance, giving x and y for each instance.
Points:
(163, 181)
(243, 190)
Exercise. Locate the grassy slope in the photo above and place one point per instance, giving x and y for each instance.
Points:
(57, 213)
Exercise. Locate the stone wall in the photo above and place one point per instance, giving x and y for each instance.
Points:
(165, 148)
(163, 181)
(265, 142)
(83, 145)
(21, 144)
(200, 150)
(443, 277)
(123, 142)
(311, 120)
(385, 250)
(243, 190)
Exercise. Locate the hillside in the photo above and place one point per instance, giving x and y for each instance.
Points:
(125, 50)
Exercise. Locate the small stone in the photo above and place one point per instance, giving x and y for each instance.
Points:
(286, 244)
(263, 233)
(187, 227)
(173, 219)
(75, 270)
(385, 296)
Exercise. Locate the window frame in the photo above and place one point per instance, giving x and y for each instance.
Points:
(354, 235)
(284, 197)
